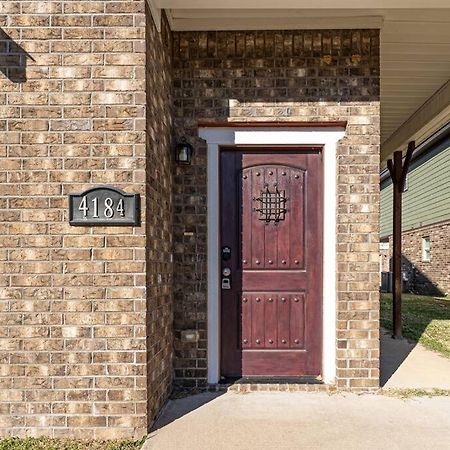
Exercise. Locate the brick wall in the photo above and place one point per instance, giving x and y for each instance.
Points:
(426, 277)
(159, 216)
(74, 300)
(87, 341)
(283, 75)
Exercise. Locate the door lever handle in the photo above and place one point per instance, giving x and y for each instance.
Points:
(226, 253)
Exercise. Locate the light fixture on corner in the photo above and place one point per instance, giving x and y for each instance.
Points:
(183, 152)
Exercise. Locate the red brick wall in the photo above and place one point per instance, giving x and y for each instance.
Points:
(283, 75)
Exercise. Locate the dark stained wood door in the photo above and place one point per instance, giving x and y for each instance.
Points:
(271, 221)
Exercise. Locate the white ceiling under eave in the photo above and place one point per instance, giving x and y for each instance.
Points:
(415, 41)
(299, 4)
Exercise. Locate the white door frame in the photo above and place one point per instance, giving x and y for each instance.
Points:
(326, 137)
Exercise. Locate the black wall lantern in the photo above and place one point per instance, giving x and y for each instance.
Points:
(183, 152)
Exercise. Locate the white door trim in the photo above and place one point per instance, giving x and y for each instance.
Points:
(328, 137)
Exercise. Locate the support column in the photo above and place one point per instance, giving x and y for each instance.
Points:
(398, 171)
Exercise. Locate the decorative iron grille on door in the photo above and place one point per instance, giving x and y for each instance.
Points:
(272, 205)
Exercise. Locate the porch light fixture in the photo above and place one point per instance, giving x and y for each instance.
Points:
(183, 152)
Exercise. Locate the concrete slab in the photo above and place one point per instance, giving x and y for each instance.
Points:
(407, 365)
(291, 420)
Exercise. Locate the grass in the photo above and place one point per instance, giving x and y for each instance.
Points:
(426, 320)
(411, 393)
(45, 443)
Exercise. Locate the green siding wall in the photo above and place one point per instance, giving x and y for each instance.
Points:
(427, 199)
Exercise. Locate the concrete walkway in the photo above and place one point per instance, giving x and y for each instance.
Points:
(291, 421)
(407, 365)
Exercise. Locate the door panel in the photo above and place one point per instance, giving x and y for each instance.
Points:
(274, 321)
(275, 241)
(271, 218)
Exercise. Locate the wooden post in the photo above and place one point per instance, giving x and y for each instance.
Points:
(397, 244)
(398, 171)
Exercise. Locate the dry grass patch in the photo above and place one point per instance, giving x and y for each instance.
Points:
(45, 443)
(410, 393)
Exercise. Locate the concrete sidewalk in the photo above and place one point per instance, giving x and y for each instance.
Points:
(297, 420)
(405, 365)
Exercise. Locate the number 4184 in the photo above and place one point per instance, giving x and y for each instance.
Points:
(108, 207)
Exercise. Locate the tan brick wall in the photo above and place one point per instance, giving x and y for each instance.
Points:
(160, 216)
(294, 76)
(87, 341)
(74, 300)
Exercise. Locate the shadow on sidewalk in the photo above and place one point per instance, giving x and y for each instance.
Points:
(392, 354)
(175, 409)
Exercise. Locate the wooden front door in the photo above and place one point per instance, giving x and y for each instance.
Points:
(271, 261)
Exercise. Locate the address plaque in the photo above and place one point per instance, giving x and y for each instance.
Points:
(104, 205)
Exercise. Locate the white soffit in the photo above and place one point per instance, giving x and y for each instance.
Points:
(429, 118)
(299, 4)
(415, 64)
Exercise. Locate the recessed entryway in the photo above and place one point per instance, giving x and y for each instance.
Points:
(325, 137)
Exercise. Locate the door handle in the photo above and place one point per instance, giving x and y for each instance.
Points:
(226, 253)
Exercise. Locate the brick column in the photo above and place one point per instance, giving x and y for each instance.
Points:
(73, 349)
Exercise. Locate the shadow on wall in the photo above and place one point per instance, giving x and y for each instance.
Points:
(13, 59)
(414, 280)
(417, 282)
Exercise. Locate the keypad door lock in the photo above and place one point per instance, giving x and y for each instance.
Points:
(226, 281)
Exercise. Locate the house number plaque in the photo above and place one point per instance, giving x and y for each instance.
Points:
(104, 205)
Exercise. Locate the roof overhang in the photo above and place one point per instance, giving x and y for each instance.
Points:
(298, 4)
(415, 48)
(431, 117)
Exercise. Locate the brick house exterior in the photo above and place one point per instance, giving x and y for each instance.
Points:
(94, 316)
(295, 76)
(424, 277)
(425, 217)
(428, 276)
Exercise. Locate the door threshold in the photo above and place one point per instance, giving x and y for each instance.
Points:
(272, 380)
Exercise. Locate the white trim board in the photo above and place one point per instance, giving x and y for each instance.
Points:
(328, 137)
(276, 23)
(156, 13)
